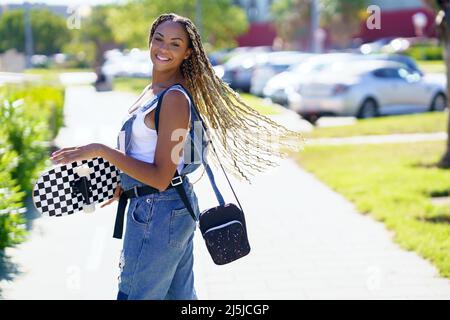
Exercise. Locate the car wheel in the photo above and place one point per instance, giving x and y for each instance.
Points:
(369, 109)
(311, 118)
(439, 102)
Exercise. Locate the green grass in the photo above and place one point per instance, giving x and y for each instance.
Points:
(392, 183)
(136, 85)
(413, 123)
(432, 66)
(259, 104)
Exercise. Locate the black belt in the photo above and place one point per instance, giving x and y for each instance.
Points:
(176, 182)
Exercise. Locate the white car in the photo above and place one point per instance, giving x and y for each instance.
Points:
(279, 86)
(366, 89)
(237, 71)
(136, 63)
(272, 64)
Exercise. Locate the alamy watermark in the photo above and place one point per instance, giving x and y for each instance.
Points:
(76, 14)
(374, 19)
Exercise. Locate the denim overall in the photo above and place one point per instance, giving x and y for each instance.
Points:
(157, 256)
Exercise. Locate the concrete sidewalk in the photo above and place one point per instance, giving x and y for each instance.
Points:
(308, 242)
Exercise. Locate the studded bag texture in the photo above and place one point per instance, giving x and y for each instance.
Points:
(224, 231)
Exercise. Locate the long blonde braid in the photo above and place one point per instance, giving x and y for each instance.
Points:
(249, 142)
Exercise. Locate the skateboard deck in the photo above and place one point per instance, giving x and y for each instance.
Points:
(69, 188)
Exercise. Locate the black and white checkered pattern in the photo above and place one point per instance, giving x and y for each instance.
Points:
(52, 193)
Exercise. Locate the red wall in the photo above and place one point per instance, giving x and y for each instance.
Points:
(393, 24)
(398, 24)
(259, 34)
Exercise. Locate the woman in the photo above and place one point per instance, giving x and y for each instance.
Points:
(157, 260)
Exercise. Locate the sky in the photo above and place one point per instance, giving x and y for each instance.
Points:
(62, 2)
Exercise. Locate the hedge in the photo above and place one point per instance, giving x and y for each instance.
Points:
(30, 117)
(425, 52)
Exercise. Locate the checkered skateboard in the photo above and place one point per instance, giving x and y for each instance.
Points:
(80, 185)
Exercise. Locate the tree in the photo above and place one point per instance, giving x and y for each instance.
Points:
(292, 21)
(341, 17)
(97, 30)
(90, 36)
(441, 8)
(49, 31)
(221, 20)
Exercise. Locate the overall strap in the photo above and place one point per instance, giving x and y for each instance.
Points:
(205, 164)
(209, 172)
(177, 180)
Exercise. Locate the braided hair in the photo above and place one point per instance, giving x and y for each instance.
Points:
(249, 142)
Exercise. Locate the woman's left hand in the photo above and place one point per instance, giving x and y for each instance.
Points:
(72, 154)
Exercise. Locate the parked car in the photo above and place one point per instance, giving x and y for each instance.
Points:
(136, 63)
(278, 87)
(389, 44)
(271, 64)
(366, 89)
(219, 57)
(237, 71)
(407, 61)
(281, 85)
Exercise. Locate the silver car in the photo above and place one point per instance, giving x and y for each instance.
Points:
(279, 86)
(366, 89)
(273, 64)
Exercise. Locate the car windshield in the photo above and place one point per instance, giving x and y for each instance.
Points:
(307, 67)
(357, 68)
(320, 63)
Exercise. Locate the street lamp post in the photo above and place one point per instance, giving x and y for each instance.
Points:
(28, 36)
(315, 13)
(198, 17)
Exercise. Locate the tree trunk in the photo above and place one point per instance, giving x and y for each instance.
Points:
(445, 160)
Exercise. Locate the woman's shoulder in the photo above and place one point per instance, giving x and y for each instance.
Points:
(182, 89)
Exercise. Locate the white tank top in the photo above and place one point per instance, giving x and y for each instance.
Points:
(143, 139)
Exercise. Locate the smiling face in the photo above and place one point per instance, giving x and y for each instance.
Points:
(169, 46)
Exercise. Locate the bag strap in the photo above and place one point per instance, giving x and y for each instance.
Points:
(178, 186)
(205, 164)
(177, 180)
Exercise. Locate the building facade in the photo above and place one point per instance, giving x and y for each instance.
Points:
(397, 20)
(261, 31)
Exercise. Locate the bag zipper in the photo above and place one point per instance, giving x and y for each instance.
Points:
(222, 226)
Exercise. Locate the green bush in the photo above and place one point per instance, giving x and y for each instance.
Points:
(42, 103)
(421, 52)
(31, 116)
(11, 221)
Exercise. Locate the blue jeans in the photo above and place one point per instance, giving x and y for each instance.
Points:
(157, 256)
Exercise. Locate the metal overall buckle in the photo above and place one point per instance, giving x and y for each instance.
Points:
(177, 182)
(135, 191)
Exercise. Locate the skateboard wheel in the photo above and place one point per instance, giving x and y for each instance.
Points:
(89, 208)
(83, 170)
